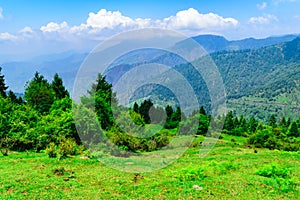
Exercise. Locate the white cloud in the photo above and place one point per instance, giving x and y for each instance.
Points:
(54, 27)
(192, 19)
(262, 6)
(266, 19)
(1, 13)
(108, 19)
(105, 23)
(8, 36)
(26, 29)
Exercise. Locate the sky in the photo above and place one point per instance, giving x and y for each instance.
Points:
(34, 27)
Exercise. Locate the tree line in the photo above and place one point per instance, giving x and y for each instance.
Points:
(44, 120)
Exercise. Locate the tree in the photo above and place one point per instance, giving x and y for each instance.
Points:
(293, 132)
(229, 123)
(169, 111)
(252, 125)
(174, 119)
(243, 123)
(202, 111)
(144, 110)
(272, 121)
(203, 125)
(102, 99)
(12, 97)
(282, 122)
(39, 93)
(3, 87)
(136, 107)
(59, 88)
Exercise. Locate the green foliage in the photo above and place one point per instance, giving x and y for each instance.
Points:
(3, 87)
(229, 124)
(173, 118)
(144, 110)
(272, 121)
(274, 170)
(273, 138)
(293, 131)
(191, 174)
(59, 88)
(279, 177)
(13, 98)
(39, 94)
(66, 147)
(101, 99)
(51, 150)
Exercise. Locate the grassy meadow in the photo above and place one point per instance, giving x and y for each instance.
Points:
(231, 170)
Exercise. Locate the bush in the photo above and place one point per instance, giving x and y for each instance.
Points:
(66, 147)
(279, 177)
(274, 170)
(51, 150)
(191, 174)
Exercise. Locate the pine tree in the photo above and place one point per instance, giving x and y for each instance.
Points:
(272, 121)
(3, 87)
(202, 111)
(288, 122)
(59, 88)
(283, 122)
(169, 111)
(12, 97)
(103, 100)
(135, 107)
(252, 125)
(144, 110)
(229, 123)
(39, 93)
(293, 132)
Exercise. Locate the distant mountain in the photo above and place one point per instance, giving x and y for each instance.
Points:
(258, 82)
(66, 65)
(213, 43)
(259, 74)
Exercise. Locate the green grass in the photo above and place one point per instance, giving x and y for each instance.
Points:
(230, 171)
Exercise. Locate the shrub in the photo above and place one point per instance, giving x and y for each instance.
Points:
(274, 170)
(278, 177)
(66, 147)
(51, 150)
(191, 174)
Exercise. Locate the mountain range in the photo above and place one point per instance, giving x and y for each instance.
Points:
(259, 74)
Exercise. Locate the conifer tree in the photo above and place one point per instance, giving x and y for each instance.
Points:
(3, 87)
(294, 132)
(59, 88)
(39, 93)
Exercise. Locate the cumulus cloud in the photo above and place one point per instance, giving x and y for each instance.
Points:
(262, 6)
(104, 21)
(1, 13)
(266, 19)
(192, 19)
(8, 36)
(54, 27)
(108, 19)
(26, 29)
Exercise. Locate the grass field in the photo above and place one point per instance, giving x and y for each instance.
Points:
(230, 171)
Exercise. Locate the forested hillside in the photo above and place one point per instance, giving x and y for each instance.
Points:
(258, 82)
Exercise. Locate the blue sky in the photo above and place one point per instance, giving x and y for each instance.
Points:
(63, 25)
